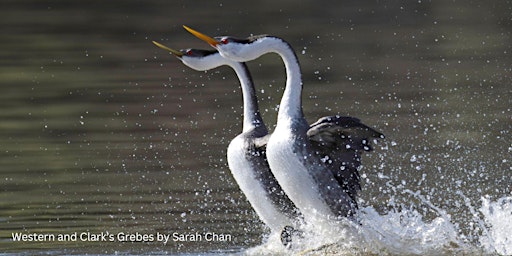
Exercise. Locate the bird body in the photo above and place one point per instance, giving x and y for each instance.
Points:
(305, 179)
(249, 167)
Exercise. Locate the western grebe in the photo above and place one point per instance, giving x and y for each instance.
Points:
(246, 153)
(317, 166)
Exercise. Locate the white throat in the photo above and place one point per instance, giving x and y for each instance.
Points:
(291, 102)
(252, 117)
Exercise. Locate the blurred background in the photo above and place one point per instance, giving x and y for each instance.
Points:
(102, 131)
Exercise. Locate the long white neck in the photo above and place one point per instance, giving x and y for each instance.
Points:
(291, 102)
(252, 116)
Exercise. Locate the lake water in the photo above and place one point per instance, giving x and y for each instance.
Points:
(107, 143)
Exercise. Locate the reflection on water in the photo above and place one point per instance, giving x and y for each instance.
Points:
(103, 132)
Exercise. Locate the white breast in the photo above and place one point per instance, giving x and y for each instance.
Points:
(244, 173)
(294, 177)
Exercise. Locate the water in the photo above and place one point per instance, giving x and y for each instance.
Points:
(103, 132)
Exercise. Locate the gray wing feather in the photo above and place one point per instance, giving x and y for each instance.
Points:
(340, 142)
(335, 131)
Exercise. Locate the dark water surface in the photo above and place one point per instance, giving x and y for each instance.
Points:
(102, 132)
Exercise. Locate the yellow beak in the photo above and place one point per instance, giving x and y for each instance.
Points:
(202, 36)
(174, 52)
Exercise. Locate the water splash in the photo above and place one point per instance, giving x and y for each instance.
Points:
(498, 219)
(404, 230)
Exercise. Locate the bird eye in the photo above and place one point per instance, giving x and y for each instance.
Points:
(189, 53)
(224, 41)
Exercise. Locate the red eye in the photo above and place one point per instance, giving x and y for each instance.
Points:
(189, 53)
(224, 41)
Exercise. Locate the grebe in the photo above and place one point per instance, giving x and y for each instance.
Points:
(316, 165)
(246, 153)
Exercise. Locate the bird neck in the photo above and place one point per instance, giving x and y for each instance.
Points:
(291, 102)
(252, 116)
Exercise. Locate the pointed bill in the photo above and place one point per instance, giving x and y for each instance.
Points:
(202, 36)
(175, 52)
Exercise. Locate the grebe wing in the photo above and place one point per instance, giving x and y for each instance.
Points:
(340, 141)
(342, 132)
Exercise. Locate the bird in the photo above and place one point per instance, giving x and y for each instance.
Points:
(317, 165)
(246, 153)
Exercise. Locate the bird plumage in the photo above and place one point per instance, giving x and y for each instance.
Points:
(316, 165)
